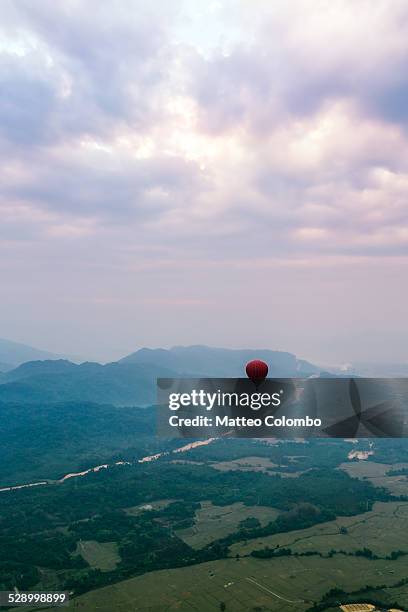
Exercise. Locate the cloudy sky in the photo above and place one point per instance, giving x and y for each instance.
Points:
(229, 173)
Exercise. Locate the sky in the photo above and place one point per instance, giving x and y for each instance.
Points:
(193, 172)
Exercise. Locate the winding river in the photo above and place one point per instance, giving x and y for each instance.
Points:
(106, 466)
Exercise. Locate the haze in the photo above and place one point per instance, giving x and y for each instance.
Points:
(226, 173)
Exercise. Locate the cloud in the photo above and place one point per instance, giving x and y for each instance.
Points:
(293, 58)
(79, 68)
(156, 142)
(112, 116)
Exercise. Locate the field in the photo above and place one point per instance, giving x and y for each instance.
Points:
(376, 473)
(334, 554)
(254, 464)
(215, 522)
(383, 530)
(103, 556)
(278, 585)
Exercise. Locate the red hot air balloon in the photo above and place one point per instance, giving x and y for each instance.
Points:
(256, 371)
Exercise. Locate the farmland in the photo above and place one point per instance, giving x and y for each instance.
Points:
(250, 584)
(214, 522)
(260, 464)
(281, 585)
(377, 474)
(247, 525)
(100, 555)
(382, 530)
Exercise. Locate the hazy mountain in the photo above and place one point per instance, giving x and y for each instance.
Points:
(132, 380)
(13, 354)
(40, 368)
(4, 367)
(220, 362)
(59, 381)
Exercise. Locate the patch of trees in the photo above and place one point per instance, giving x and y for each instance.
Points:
(400, 472)
(20, 575)
(21, 556)
(270, 553)
(45, 550)
(250, 523)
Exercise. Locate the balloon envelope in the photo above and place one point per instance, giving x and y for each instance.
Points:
(256, 370)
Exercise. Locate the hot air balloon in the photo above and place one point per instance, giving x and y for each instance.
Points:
(257, 371)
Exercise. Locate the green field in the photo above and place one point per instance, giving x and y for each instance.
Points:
(282, 584)
(383, 530)
(278, 585)
(103, 556)
(215, 522)
(255, 464)
(376, 473)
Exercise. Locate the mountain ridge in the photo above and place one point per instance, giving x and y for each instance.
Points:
(204, 360)
(59, 381)
(13, 354)
(132, 380)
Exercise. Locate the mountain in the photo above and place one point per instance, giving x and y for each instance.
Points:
(4, 367)
(39, 368)
(13, 354)
(219, 362)
(126, 384)
(132, 380)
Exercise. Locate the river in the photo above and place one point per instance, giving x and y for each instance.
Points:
(106, 466)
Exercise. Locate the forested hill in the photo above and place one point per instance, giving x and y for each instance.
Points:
(13, 354)
(132, 380)
(220, 362)
(46, 441)
(59, 381)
